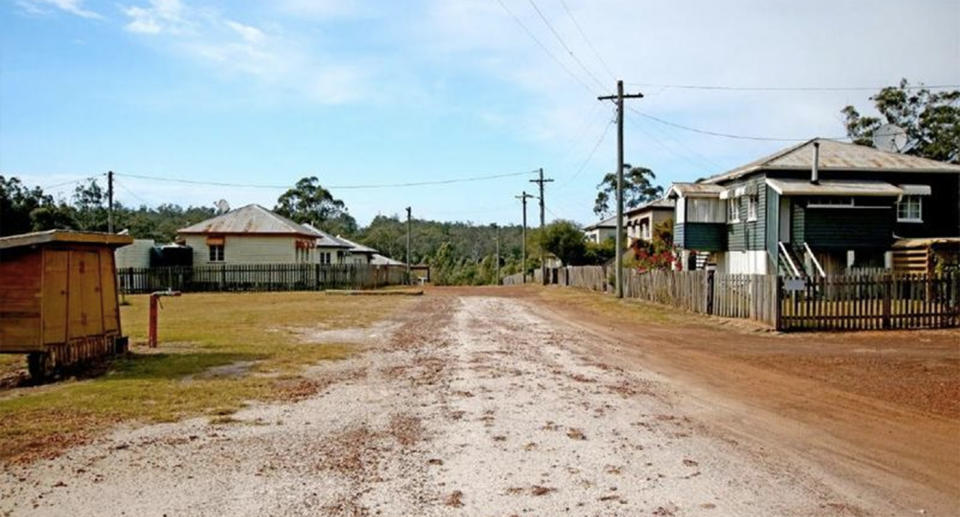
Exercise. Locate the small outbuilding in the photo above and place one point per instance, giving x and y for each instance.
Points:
(58, 297)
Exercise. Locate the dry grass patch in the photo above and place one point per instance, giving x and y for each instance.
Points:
(197, 332)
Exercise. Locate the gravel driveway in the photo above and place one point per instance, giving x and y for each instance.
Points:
(466, 406)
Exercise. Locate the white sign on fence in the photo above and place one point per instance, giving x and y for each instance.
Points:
(794, 284)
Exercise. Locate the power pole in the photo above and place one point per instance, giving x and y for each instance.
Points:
(409, 279)
(523, 256)
(110, 201)
(540, 181)
(498, 255)
(619, 257)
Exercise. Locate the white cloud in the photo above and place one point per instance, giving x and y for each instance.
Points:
(325, 8)
(281, 63)
(71, 6)
(160, 16)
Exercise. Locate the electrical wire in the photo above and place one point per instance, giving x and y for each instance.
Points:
(55, 185)
(576, 24)
(789, 88)
(583, 165)
(369, 186)
(544, 47)
(565, 46)
(132, 193)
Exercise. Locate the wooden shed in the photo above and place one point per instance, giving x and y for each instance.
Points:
(58, 297)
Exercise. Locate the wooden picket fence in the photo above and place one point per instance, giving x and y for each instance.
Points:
(259, 277)
(871, 302)
(838, 302)
(514, 279)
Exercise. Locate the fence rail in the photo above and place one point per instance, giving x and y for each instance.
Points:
(835, 302)
(259, 277)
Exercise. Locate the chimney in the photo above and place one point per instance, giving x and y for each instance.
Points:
(815, 170)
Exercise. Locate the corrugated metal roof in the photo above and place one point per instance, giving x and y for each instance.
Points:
(665, 203)
(803, 187)
(324, 239)
(837, 156)
(610, 222)
(68, 236)
(695, 190)
(249, 219)
(382, 260)
(356, 247)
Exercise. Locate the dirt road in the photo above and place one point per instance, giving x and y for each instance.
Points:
(466, 405)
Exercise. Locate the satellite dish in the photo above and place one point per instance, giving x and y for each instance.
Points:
(222, 206)
(891, 138)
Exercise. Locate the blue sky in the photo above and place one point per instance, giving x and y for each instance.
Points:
(387, 92)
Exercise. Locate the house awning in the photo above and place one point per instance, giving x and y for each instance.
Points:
(694, 190)
(803, 187)
(916, 190)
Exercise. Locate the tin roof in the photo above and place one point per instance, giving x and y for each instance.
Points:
(803, 187)
(65, 236)
(663, 203)
(836, 156)
(382, 260)
(324, 239)
(356, 247)
(249, 219)
(610, 222)
(694, 190)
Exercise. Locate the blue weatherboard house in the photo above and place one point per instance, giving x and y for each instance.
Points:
(817, 208)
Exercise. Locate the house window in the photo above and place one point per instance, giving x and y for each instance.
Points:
(752, 203)
(216, 252)
(733, 210)
(910, 209)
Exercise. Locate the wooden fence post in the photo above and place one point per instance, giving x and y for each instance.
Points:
(887, 296)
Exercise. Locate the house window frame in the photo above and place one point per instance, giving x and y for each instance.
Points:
(733, 210)
(213, 255)
(753, 202)
(905, 202)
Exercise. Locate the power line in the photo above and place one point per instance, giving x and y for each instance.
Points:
(715, 133)
(367, 186)
(583, 165)
(55, 185)
(789, 88)
(132, 193)
(586, 39)
(564, 44)
(544, 47)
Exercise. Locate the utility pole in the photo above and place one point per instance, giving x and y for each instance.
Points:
(540, 181)
(619, 257)
(523, 257)
(498, 255)
(109, 201)
(409, 279)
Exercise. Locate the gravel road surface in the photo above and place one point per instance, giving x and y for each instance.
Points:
(463, 406)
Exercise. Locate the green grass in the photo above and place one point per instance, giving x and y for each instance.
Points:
(197, 332)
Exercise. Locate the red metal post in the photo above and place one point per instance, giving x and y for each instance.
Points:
(154, 301)
(152, 333)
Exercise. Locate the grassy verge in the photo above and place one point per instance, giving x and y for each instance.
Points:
(594, 302)
(253, 331)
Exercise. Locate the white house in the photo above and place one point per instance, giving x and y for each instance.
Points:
(251, 235)
(329, 249)
(358, 253)
(601, 231)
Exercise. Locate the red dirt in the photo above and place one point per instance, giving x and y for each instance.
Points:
(880, 405)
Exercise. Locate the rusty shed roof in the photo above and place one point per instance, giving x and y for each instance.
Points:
(837, 156)
(253, 219)
(65, 236)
